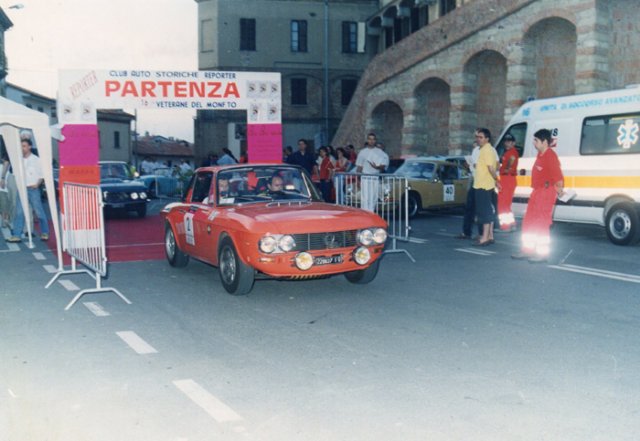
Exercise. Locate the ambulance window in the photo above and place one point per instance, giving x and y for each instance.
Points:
(611, 135)
(519, 132)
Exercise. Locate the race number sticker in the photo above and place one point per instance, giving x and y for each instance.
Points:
(188, 228)
(449, 194)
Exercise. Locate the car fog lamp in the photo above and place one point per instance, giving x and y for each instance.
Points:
(304, 260)
(268, 244)
(362, 255)
(286, 243)
(380, 236)
(365, 237)
(143, 195)
(134, 196)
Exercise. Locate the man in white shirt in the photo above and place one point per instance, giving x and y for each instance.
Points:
(33, 178)
(371, 161)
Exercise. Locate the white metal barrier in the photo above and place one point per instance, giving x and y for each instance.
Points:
(83, 236)
(384, 194)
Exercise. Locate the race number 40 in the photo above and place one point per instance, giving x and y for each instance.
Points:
(449, 193)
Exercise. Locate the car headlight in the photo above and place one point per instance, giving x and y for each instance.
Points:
(268, 244)
(362, 255)
(304, 260)
(286, 243)
(380, 236)
(365, 237)
(143, 195)
(134, 196)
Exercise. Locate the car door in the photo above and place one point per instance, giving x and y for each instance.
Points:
(448, 175)
(195, 214)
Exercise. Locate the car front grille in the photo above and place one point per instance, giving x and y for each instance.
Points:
(118, 197)
(325, 241)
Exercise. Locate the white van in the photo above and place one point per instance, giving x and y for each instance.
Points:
(597, 138)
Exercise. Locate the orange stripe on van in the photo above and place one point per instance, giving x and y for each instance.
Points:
(591, 181)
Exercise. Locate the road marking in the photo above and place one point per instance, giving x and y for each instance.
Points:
(136, 343)
(475, 251)
(213, 406)
(598, 272)
(69, 285)
(39, 256)
(418, 240)
(97, 310)
(50, 269)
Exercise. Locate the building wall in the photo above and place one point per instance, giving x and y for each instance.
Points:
(491, 56)
(108, 150)
(273, 53)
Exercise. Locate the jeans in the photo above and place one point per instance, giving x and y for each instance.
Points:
(34, 196)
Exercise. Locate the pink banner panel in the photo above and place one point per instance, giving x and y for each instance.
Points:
(80, 146)
(264, 143)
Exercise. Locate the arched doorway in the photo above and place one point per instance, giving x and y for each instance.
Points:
(485, 77)
(387, 121)
(550, 58)
(431, 127)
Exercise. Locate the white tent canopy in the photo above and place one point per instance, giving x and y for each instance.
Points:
(15, 118)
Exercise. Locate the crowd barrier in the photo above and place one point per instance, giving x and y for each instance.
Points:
(83, 236)
(384, 194)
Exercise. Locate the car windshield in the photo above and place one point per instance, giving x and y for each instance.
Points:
(417, 169)
(264, 184)
(115, 170)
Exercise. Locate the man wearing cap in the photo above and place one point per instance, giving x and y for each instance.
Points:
(547, 182)
(508, 173)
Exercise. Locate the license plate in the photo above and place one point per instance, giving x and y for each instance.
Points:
(327, 260)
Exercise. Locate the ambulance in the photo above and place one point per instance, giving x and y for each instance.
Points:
(597, 138)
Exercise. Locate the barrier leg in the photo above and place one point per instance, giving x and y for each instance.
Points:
(98, 288)
(73, 270)
(397, 250)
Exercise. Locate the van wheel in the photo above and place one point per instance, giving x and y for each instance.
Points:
(622, 224)
(415, 204)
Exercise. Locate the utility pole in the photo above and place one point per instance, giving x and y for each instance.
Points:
(326, 72)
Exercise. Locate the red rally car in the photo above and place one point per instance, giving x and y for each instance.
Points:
(268, 221)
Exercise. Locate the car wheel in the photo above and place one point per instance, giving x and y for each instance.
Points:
(175, 256)
(622, 224)
(362, 277)
(236, 277)
(415, 204)
(142, 211)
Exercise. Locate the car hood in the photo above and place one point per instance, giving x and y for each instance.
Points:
(120, 185)
(294, 218)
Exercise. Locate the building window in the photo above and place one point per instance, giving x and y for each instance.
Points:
(299, 91)
(116, 140)
(353, 37)
(54, 112)
(419, 18)
(447, 6)
(29, 106)
(40, 109)
(298, 36)
(247, 34)
(207, 36)
(347, 90)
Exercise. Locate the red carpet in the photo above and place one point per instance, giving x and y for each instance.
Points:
(130, 239)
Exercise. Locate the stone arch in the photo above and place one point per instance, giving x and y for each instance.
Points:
(549, 58)
(485, 92)
(431, 117)
(387, 122)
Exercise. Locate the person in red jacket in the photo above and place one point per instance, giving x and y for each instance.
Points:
(547, 182)
(508, 172)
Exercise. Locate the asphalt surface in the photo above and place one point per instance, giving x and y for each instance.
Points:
(464, 344)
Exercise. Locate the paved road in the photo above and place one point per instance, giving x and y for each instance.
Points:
(464, 344)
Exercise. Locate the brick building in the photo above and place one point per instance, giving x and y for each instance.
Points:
(475, 65)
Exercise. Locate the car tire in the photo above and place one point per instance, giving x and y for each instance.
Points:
(175, 256)
(237, 278)
(362, 277)
(142, 211)
(622, 224)
(415, 204)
